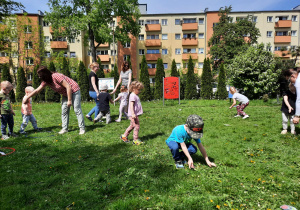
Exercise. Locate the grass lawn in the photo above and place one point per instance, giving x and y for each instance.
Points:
(257, 167)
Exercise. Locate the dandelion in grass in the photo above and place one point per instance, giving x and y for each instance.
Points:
(293, 203)
(225, 204)
(211, 201)
(252, 161)
(218, 207)
(147, 198)
(252, 155)
(219, 181)
(259, 179)
(146, 190)
(263, 181)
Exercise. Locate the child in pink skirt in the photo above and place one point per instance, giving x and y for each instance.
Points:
(123, 99)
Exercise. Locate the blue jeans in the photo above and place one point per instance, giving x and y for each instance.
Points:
(93, 95)
(175, 146)
(27, 118)
(7, 119)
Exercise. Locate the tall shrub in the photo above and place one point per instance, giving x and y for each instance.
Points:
(6, 76)
(145, 94)
(100, 72)
(21, 84)
(190, 89)
(159, 76)
(174, 71)
(65, 68)
(206, 79)
(83, 81)
(115, 75)
(50, 95)
(221, 91)
(35, 84)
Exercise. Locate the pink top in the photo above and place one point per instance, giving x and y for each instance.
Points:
(26, 109)
(58, 87)
(137, 106)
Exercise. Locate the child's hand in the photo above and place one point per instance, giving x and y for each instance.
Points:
(0, 115)
(230, 107)
(191, 164)
(133, 116)
(290, 109)
(210, 164)
(13, 113)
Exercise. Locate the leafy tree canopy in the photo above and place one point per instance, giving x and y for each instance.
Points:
(8, 6)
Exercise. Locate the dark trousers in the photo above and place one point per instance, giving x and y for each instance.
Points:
(174, 147)
(7, 119)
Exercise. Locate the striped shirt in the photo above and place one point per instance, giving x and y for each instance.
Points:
(57, 84)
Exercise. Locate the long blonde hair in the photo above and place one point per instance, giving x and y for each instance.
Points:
(136, 85)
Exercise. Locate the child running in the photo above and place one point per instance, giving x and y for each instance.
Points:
(244, 102)
(288, 109)
(6, 111)
(135, 109)
(181, 137)
(123, 99)
(27, 112)
(104, 99)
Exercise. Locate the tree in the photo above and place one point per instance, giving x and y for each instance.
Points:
(7, 7)
(255, 72)
(190, 89)
(21, 85)
(51, 95)
(83, 81)
(65, 68)
(229, 39)
(174, 71)
(159, 76)
(100, 72)
(115, 75)
(222, 91)
(36, 84)
(70, 18)
(129, 62)
(5, 76)
(145, 94)
(206, 79)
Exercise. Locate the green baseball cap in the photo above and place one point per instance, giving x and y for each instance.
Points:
(195, 126)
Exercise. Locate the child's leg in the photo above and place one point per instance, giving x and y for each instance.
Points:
(33, 122)
(10, 121)
(136, 128)
(3, 124)
(240, 109)
(125, 111)
(24, 122)
(284, 121)
(174, 148)
(120, 111)
(107, 117)
(99, 116)
(131, 127)
(292, 125)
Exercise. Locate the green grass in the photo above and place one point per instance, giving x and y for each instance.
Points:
(257, 167)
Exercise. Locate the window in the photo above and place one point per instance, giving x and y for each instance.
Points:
(102, 52)
(141, 22)
(177, 36)
(112, 24)
(294, 18)
(165, 66)
(28, 29)
(15, 69)
(126, 57)
(189, 20)
(60, 39)
(72, 55)
(201, 21)
(29, 76)
(178, 65)
(127, 45)
(281, 33)
(164, 22)
(112, 66)
(3, 54)
(177, 51)
(13, 22)
(65, 54)
(45, 24)
(269, 48)
(141, 37)
(293, 33)
(164, 36)
(269, 33)
(14, 54)
(29, 61)
(151, 65)
(164, 51)
(200, 65)
(71, 40)
(152, 21)
(189, 36)
(28, 45)
(47, 54)
(254, 19)
(201, 35)
(14, 39)
(186, 50)
(177, 21)
(105, 66)
(278, 48)
(269, 19)
(201, 50)
(153, 51)
(46, 39)
(282, 17)
(141, 52)
(230, 19)
(153, 36)
(112, 52)
(89, 53)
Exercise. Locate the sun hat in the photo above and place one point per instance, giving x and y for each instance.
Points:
(103, 87)
(195, 126)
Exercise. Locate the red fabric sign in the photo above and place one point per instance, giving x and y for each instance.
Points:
(171, 87)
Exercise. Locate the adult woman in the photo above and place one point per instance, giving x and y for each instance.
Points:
(125, 77)
(93, 90)
(70, 92)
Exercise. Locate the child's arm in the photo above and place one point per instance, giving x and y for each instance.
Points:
(285, 99)
(131, 104)
(117, 98)
(111, 101)
(203, 152)
(187, 154)
(233, 103)
(12, 111)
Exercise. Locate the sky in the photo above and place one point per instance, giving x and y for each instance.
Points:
(191, 6)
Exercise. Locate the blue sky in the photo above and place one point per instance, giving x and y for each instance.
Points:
(190, 6)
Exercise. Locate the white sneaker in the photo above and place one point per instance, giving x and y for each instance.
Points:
(246, 116)
(284, 132)
(118, 120)
(62, 131)
(237, 115)
(81, 131)
(293, 132)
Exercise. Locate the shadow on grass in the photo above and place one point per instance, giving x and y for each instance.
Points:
(152, 136)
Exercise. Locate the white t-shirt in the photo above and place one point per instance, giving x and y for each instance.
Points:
(123, 98)
(241, 98)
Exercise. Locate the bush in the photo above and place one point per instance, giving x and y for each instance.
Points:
(145, 94)
(190, 89)
(21, 84)
(206, 81)
(83, 81)
(159, 76)
(5, 76)
(222, 91)
(51, 95)
(265, 98)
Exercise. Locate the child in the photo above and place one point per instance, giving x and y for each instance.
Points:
(244, 101)
(123, 98)
(6, 111)
(135, 109)
(27, 112)
(104, 99)
(288, 109)
(180, 139)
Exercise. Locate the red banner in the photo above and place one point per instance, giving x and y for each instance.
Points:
(171, 87)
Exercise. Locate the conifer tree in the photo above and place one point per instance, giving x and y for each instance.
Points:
(222, 92)
(83, 81)
(145, 94)
(174, 71)
(6, 76)
(36, 84)
(65, 68)
(190, 89)
(50, 95)
(129, 62)
(115, 75)
(159, 76)
(206, 79)
(100, 72)
(21, 84)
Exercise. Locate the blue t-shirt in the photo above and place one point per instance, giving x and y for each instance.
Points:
(180, 135)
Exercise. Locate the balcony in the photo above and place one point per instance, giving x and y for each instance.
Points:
(282, 39)
(189, 26)
(283, 54)
(51, 30)
(4, 59)
(104, 58)
(59, 44)
(153, 43)
(187, 56)
(152, 27)
(102, 45)
(152, 72)
(152, 57)
(283, 24)
(190, 42)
